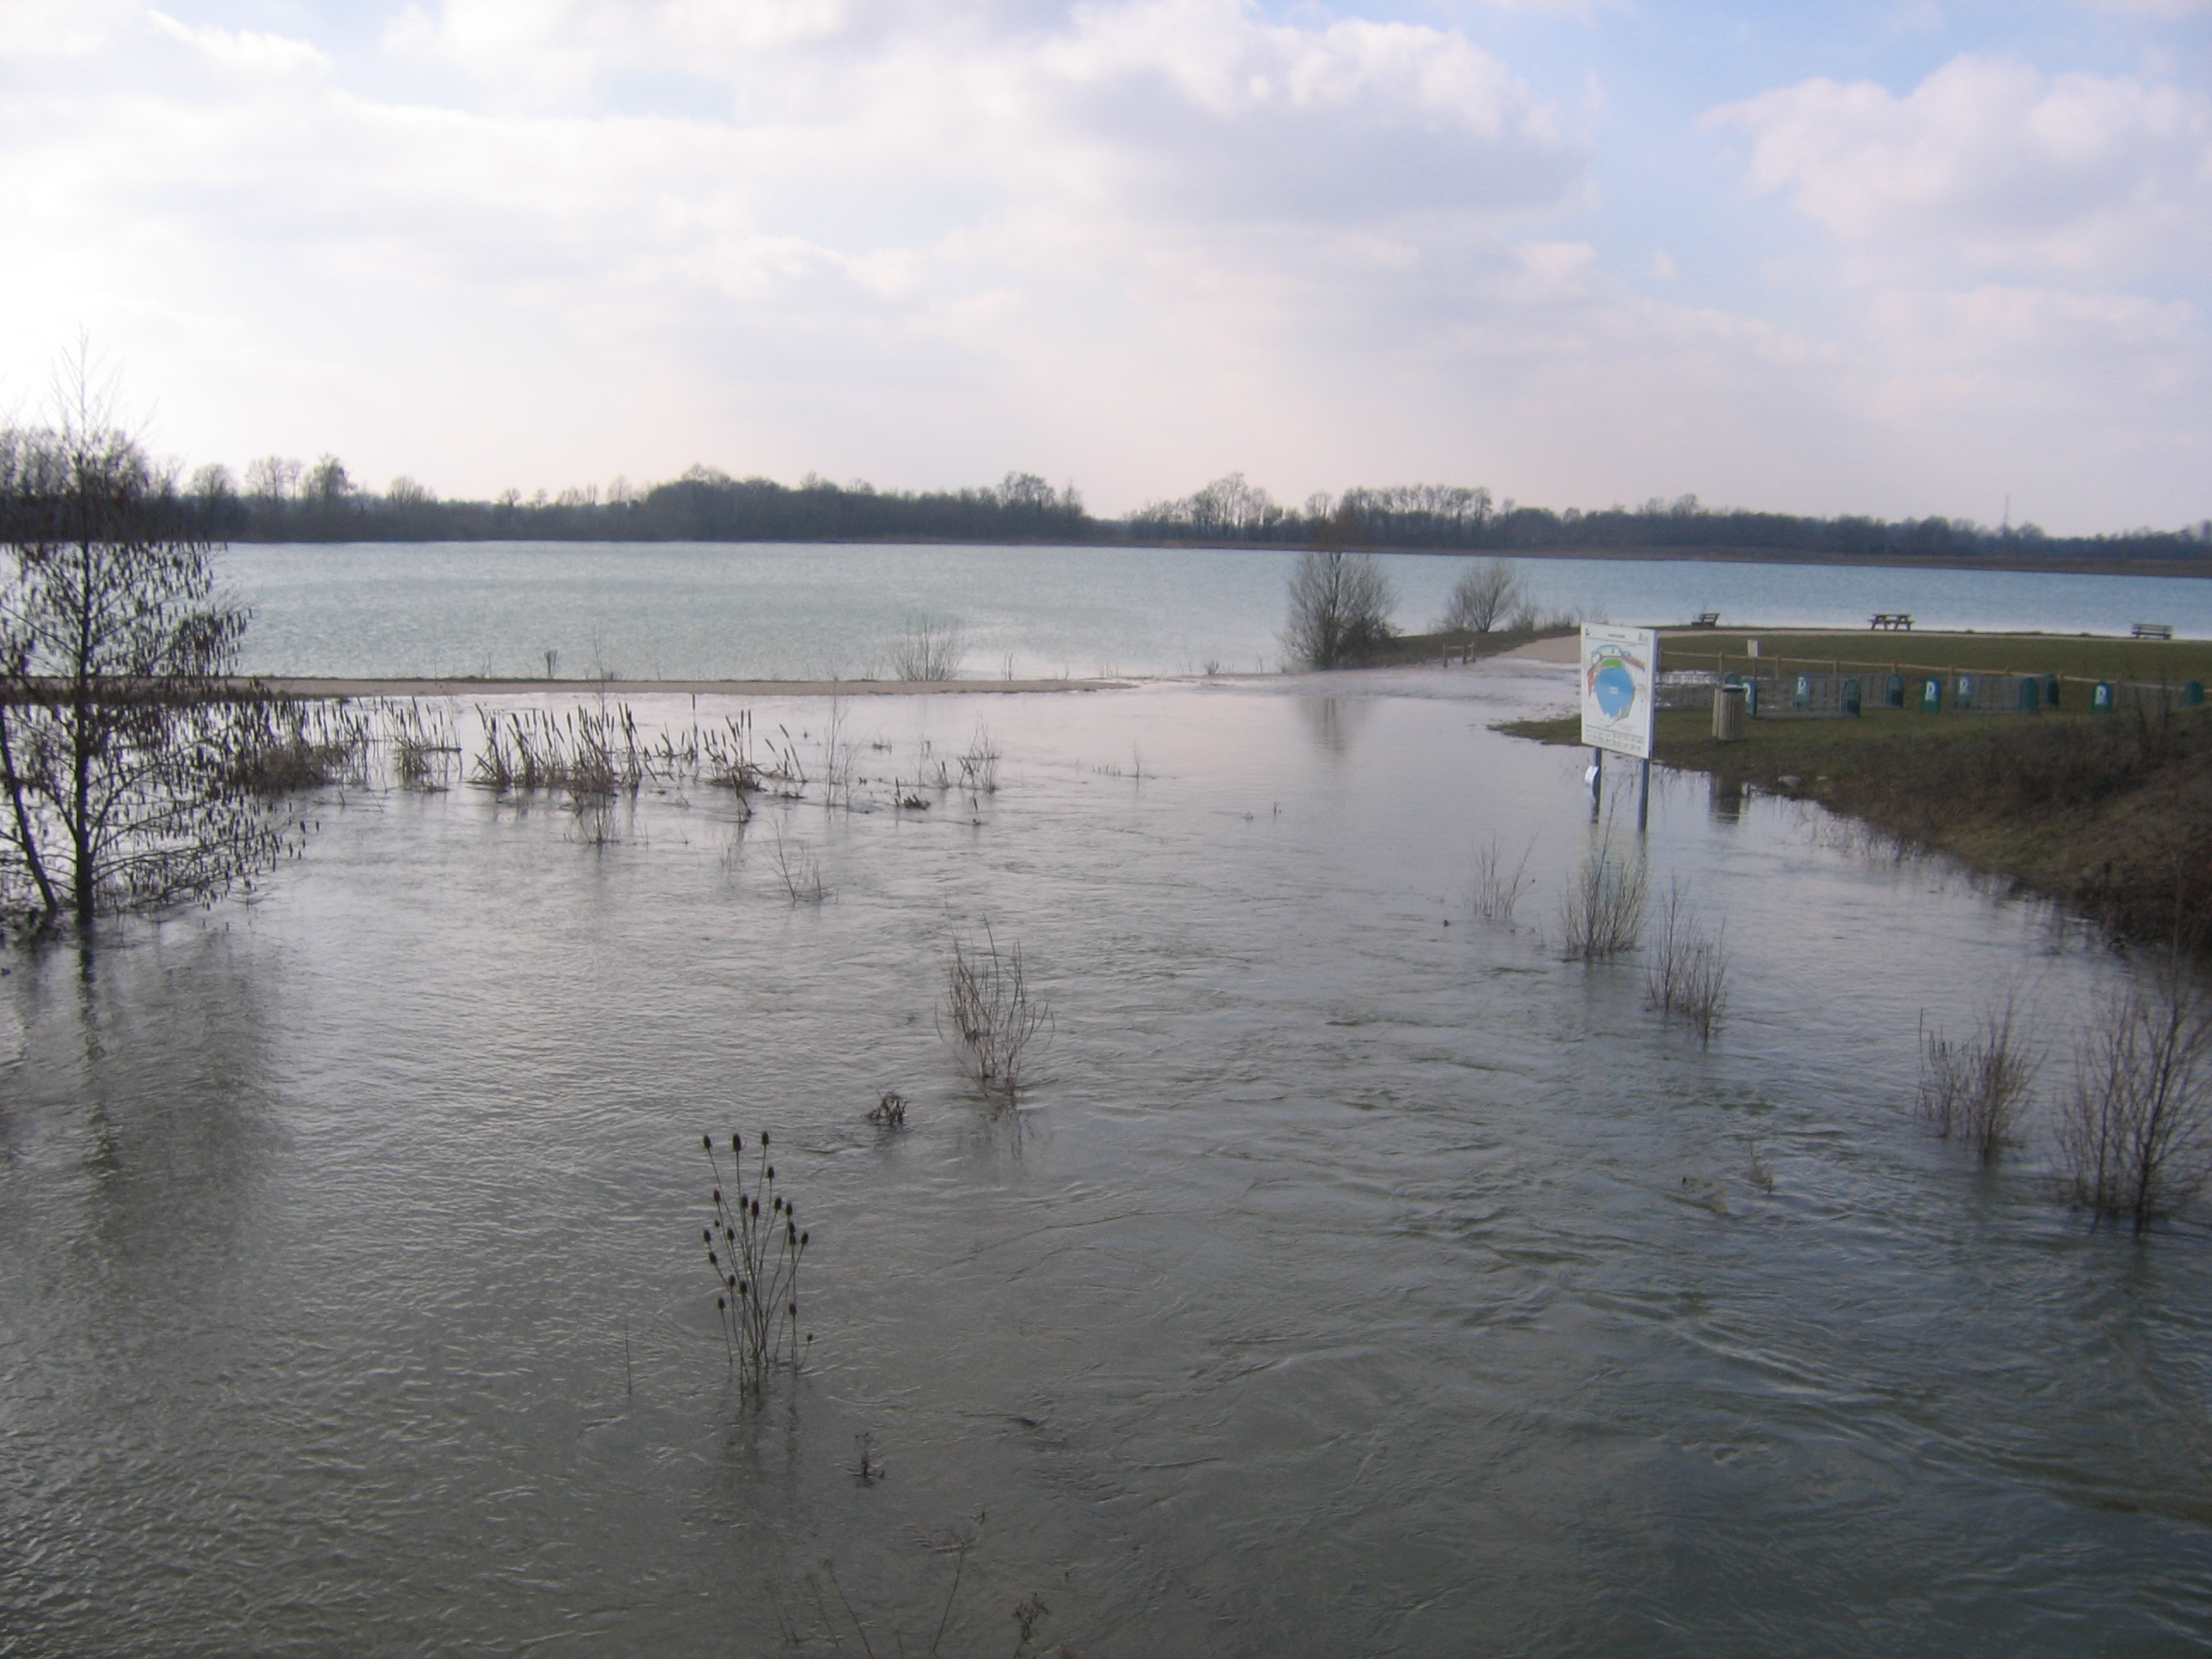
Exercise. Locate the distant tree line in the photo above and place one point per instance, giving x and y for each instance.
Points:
(1450, 516)
(282, 499)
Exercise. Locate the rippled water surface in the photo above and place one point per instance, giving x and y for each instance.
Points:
(1348, 1282)
(675, 611)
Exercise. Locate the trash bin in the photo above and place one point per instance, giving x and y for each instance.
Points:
(2031, 695)
(2192, 694)
(1729, 709)
(2050, 690)
(1894, 693)
(1851, 698)
(1962, 694)
(1801, 697)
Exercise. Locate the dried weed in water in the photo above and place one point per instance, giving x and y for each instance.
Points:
(890, 1112)
(1688, 975)
(755, 1249)
(1977, 1088)
(994, 1019)
(1602, 914)
(1498, 891)
(800, 873)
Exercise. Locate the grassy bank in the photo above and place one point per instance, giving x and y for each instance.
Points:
(2074, 657)
(2109, 814)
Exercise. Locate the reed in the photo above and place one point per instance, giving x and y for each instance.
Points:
(1688, 974)
(755, 1246)
(890, 1111)
(280, 745)
(995, 1020)
(1602, 913)
(424, 753)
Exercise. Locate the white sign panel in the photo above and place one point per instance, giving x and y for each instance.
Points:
(1619, 666)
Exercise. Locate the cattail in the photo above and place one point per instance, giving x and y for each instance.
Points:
(771, 1174)
(707, 1141)
(802, 1245)
(720, 1306)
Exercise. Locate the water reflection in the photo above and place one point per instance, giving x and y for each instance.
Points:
(1334, 722)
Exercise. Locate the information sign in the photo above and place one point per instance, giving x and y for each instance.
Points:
(1618, 667)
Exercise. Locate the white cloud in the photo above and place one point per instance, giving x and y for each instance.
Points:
(1136, 244)
(1991, 164)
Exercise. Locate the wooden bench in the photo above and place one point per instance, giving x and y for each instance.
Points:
(2154, 630)
(1707, 619)
(1892, 620)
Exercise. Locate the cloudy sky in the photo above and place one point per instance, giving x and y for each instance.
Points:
(1892, 257)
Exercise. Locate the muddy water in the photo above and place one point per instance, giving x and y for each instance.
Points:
(1348, 1282)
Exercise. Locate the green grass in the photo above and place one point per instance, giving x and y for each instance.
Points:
(2082, 657)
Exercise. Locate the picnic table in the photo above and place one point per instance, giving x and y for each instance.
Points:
(1891, 621)
(2154, 630)
(1707, 619)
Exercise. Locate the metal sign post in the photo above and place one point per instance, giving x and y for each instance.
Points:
(1619, 677)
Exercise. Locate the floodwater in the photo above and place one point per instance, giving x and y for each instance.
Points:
(1347, 1283)
(691, 610)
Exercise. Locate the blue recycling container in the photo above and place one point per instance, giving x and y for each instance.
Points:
(2100, 698)
(1931, 696)
(1962, 694)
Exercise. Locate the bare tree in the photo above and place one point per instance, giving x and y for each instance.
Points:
(1339, 608)
(1484, 595)
(123, 775)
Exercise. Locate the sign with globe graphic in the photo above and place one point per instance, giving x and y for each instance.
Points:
(1619, 665)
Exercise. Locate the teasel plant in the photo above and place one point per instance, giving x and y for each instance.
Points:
(755, 1245)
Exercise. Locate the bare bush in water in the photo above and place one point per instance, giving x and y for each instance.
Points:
(931, 649)
(755, 1249)
(1688, 974)
(1602, 914)
(2135, 1139)
(1498, 891)
(994, 1019)
(1978, 1088)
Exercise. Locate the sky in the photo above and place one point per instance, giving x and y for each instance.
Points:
(1897, 259)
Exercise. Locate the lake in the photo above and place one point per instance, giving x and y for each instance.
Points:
(1355, 1276)
(662, 611)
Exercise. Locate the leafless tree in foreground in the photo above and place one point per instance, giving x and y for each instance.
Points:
(128, 774)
